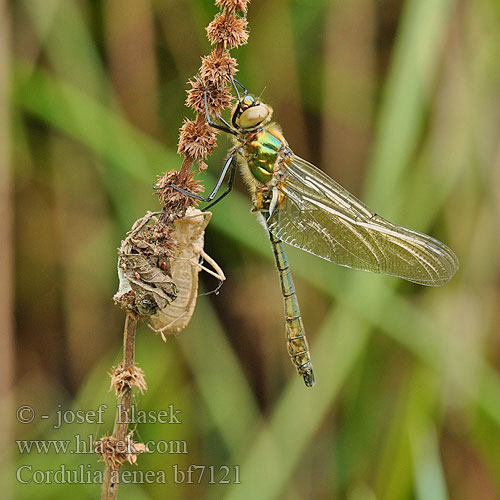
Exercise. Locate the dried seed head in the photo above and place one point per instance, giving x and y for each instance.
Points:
(228, 30)
(175, 203)
(122, 379)
(233, 4)
(216, 68)
(218, 98)
(197, 139)
(114, 451)
(202, 166)
(107, 448)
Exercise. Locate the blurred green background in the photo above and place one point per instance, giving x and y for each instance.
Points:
(397, 100)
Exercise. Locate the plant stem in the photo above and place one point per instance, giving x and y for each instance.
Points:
(109, 485)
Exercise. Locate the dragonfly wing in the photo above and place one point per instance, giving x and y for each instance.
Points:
(321, 217)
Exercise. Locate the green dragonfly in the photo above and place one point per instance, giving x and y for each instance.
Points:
(300, 205)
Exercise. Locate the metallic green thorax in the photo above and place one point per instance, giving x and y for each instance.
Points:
(261, 152)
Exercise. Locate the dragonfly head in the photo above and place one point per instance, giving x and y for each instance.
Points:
(250, 112)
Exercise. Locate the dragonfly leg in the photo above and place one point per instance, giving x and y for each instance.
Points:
(225, 127)
(217, 272)
(232, 174)
(234, 82)
(224, 122)
(228, 166)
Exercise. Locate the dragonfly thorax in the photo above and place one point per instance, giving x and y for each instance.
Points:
(262, 149)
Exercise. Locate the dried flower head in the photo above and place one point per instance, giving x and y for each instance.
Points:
(216, 69)
(176, 203)
(107, 448)
(228, 30)
(122, 379)
(114, 451)
(197, 139)
(218, 97)
(202, 166)
(233, 4)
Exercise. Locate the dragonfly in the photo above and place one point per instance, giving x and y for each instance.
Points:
(302, 206)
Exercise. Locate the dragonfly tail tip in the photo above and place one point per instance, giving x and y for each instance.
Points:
(309, 378)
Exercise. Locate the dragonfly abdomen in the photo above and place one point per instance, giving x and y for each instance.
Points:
(298, 348)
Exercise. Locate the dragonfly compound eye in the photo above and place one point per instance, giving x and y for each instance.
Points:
(248, 101)
(254, 116)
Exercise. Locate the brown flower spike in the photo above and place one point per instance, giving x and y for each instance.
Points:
(114, 451)
(228, 30)
(122, 379)
(176, 202)
(197, 139)
(234, 4)
(218, 98)
(144, 263)
(216, 68)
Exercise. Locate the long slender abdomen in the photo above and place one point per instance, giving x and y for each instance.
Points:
(295, 333)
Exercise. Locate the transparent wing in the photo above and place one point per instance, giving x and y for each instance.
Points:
(321, 217)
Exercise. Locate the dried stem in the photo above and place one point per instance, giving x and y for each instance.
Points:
(110, 486)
